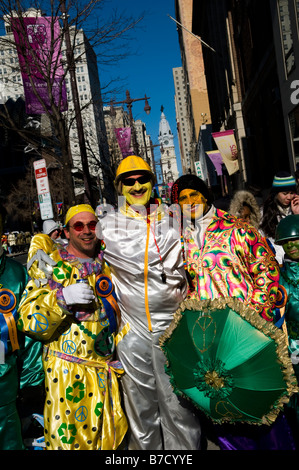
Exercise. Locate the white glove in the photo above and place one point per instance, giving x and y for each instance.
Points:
(78, 294)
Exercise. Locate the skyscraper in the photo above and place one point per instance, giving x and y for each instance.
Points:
(183, 118)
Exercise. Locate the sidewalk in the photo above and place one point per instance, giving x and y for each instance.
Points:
(19, 253)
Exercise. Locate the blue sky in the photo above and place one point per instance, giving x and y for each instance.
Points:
(149, 71)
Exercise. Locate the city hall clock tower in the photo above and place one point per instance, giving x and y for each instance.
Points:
(169, 166)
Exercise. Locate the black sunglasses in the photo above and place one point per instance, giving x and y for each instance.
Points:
(141, 180)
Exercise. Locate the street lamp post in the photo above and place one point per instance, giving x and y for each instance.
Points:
(129, 101)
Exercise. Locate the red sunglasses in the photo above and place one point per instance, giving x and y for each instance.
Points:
(79, 226)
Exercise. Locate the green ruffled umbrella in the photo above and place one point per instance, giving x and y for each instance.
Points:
(230, 362)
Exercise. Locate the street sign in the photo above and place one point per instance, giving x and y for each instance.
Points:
(45, 205)
(43, 189)
(198, 169)
(41, 176)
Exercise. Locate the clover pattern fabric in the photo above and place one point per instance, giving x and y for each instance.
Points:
(234, 261)
(82, 409)
(19, 369)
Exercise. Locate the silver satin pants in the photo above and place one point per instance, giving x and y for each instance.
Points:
(158, 419)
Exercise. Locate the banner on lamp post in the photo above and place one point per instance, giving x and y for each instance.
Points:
(59, 208)
(216, 158)
(43, 191)
(38, 46)
(227, 146)
(123, 136)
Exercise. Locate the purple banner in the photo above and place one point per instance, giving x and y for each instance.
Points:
(38, 45)
(123, 135)
(59, 207)
(217, 160)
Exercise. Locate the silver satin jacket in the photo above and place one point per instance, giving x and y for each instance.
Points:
(137, 246)
(138, 249)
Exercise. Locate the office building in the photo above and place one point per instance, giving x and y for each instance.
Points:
(90, 104)
(186, 144)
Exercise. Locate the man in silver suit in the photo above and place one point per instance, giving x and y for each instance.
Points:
(144, 253)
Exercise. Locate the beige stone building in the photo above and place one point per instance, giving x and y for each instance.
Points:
(197, 104)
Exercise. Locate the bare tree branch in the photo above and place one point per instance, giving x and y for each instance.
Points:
(111, 38)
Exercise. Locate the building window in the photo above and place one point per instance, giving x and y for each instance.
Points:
(287, 37)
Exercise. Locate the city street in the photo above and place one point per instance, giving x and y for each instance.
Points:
(20, 257)
(194, 136)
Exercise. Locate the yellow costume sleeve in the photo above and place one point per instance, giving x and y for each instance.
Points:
(33, 322)
(39, 312)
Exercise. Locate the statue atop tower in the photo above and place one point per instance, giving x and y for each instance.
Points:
(169, 166)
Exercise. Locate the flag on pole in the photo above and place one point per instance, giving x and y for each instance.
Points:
(227, 146)
(59, 208)
(123, 136)
(39, 52)
(216, 158)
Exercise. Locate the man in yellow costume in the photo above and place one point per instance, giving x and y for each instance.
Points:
(76, 321)
(143, 251)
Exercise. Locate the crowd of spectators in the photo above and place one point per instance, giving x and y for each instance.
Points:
(16, 242)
